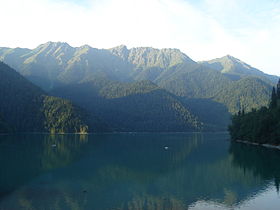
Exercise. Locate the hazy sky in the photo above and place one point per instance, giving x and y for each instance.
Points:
(203, 29)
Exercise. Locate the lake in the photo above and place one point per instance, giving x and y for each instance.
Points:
(136, 171)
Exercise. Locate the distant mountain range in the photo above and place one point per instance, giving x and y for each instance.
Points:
(144, 89)
(53, 64)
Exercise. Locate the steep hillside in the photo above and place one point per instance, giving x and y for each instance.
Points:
(138, 106)
(26, 108)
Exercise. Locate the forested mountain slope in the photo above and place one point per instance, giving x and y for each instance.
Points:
(24, 107)
(137, 106)
(247, 93)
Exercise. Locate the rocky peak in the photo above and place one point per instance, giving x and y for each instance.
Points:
(120, 51)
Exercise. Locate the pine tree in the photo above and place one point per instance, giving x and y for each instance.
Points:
(273, 102)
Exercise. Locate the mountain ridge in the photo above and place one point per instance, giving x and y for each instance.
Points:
(57, 64)
(138, 62)
(233, 66)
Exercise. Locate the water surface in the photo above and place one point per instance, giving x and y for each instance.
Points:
(136, 171)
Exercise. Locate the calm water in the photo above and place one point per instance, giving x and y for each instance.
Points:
(136, 171)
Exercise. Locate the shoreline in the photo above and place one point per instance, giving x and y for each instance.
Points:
(116, 132)
(257, 144)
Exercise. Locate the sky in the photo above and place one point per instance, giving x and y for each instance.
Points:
(202, 29)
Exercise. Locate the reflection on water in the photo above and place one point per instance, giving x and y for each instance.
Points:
(136, 171)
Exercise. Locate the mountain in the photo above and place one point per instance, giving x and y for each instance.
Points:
(24, 107)
(236, 69)
(134, 106)
(227, 80)
(55, 63)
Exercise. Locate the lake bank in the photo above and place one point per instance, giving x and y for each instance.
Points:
(257, 144)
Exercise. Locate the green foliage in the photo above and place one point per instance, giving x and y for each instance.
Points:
(261, 126)
(62, 117)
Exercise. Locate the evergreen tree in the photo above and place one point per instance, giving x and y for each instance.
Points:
(260, 126)
(273, 102)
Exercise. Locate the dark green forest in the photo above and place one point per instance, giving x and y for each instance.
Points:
(136, 106)
(259, 126)
(24, 107)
